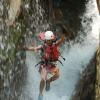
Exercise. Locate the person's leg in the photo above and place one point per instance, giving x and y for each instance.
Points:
(43, 73)
(55, 76)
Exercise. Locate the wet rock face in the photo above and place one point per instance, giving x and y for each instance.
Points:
(1, 8)
(13, 11)
(68, 12)
(85, 89)
(35, 14)
(12, 66)
(97, 84)
(98, 4)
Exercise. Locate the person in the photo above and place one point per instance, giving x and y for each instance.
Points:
(47, 64)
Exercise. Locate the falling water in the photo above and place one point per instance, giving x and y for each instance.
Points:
(77, 58)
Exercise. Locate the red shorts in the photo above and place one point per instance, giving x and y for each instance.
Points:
(52, 69)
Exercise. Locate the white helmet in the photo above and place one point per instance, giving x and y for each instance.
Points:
(49, 35)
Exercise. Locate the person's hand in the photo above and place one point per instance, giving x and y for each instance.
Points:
(19, 47)
(35, 50)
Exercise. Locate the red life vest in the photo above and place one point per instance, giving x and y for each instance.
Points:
(50, 52)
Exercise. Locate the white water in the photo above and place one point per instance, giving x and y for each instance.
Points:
(77, 58)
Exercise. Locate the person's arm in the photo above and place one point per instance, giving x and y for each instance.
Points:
(58, 42)
(33, 48)
(30, 48)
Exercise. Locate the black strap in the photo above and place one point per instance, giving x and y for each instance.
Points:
(61, 62)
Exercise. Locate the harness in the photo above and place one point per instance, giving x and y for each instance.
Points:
(50, 61)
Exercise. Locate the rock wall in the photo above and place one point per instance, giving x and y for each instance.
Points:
(97, 84)
(85, 89)
(12, 60)
(98, 4)
(67, 13)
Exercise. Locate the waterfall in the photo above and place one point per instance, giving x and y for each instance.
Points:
(77, 58)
